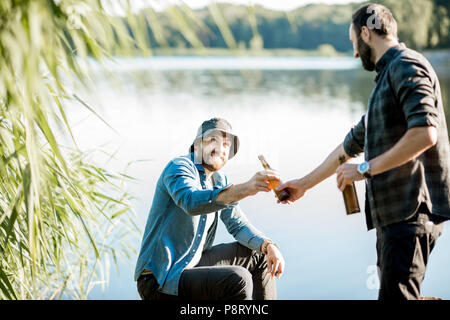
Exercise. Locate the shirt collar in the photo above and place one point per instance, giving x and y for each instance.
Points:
(390, 54)
(216, 177)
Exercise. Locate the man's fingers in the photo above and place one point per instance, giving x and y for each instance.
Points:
(263, 186)
(269, 174)
(342, 184)
(341, 181)
(340, 178)
(288, 202)
(270, 171)
(269, 265)
(275, 268)
(280, 270)
(271, 177)
(338, 173)
(284, 186)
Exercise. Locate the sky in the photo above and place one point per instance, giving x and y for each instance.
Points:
(272, 4)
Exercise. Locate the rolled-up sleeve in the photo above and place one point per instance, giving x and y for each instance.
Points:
(241, 229)
(415, 93)
(181, 183)
(354, 140)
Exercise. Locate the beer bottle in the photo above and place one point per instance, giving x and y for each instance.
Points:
(281, 195)
(349, 193)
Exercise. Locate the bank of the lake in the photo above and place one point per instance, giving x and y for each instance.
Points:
(438, 57)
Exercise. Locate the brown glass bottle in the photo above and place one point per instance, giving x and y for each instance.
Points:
(281, 195)
(349, 193)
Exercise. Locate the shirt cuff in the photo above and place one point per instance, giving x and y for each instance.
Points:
(215, 192)
(351, 148)
(422, 120)
(256, 242)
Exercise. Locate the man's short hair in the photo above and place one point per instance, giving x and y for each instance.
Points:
(377, 18)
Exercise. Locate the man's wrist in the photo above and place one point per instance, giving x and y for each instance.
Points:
(307, 182)
(233, 193)
(265, 245)
(245, 189)
(376, 166)
(365, 170)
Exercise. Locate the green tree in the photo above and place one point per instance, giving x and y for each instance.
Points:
(414, 19)
(61, 215)
(421, 24)
(58, 211)
(439, 33)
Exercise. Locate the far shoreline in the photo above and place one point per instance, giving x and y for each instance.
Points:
(439, 57)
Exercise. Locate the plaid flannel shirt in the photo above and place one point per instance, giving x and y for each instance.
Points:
(407, 94)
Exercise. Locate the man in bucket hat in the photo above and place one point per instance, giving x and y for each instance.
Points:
(177, 259)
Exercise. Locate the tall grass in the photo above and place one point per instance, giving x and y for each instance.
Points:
(64, 219)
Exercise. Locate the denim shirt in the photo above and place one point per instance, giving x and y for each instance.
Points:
(176, 223)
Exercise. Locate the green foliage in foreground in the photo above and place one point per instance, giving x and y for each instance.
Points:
(62, 218)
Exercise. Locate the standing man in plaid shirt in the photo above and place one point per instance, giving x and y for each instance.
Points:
(405, 142)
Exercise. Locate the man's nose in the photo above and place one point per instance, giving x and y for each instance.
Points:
(221, 149)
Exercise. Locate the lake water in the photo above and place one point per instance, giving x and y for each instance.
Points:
(294, 111)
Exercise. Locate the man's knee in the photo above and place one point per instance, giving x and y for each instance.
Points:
(394, 289)
(239, 284)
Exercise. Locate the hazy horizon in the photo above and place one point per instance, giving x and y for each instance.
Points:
(197, 4)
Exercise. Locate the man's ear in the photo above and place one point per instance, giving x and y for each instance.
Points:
(365, 34)
(198, 145)
(198, 150)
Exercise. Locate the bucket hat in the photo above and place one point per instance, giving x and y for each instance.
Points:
(208, 126)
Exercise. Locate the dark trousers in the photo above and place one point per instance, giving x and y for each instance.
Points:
(228, 271)
(403, 250)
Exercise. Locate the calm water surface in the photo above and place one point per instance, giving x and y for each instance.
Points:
(292, 110)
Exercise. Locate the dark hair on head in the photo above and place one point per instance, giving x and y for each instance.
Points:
(377, 18)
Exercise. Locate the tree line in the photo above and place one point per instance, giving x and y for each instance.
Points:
(422, 24)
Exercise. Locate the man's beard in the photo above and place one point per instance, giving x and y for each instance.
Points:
(211, 167)
(214, 166)
(365, 53)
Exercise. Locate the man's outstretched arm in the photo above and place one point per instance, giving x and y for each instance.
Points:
(352, 145)
(259, 182)
(415, 141)
(298, 187)
(180, 181)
